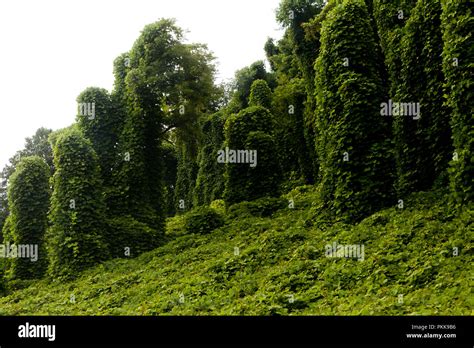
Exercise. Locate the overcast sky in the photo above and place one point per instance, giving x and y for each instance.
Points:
(52, 50)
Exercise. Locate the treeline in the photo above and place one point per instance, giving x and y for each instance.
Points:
(368, 100)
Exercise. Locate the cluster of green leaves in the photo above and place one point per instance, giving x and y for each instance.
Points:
(28, 196)
(458, 68)
(422, 147)
(353, 138)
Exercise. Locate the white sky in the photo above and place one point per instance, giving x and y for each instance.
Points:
(52, 50)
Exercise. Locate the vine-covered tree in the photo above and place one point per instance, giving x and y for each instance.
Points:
(240, 178)
(169, 86)
(390, 18)
(75, 239)
(36, 145)
(28, 196)
(423, 142)
(96, 121)
(295, 16)
(210, 177)
(288, 108)
(458, 54)
(353, 138)
(185, 179)
(170, 161)
(265, 177)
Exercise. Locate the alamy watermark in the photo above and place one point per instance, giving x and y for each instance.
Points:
(237, 156)
(400, 109)
(25, 251)
(355, 251)
(87, 109)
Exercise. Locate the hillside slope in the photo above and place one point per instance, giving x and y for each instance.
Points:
(280, 268)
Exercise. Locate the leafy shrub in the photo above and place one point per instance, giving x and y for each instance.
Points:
(261, 207)
(203, 220)
(175, 225)
(127, 232)
(218, 205)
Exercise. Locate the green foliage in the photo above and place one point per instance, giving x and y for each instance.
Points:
(252, 119)
(185, 181)
(2, 283)
(36, 145)
(260, 94)
(288, 107)
(219, 206)
(423, 146)
(177, 77)
(262, 207)
(118, 95)
(243, 82)
(169, 86)
(170, 161)
(151, 145)
(102, 128)
(353, 138)
(28, 196)
(242, 182)
(203, 220)
(293, 15)
(458, 23)
(296, 16)
(264, 179)
(128, 237)
(390, 18)
(76, 239)
(7, 229)
(279, 257)
(210, 177)
(139, 180)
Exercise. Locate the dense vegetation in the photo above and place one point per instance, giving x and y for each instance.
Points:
(275, 265)
(172, 194)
